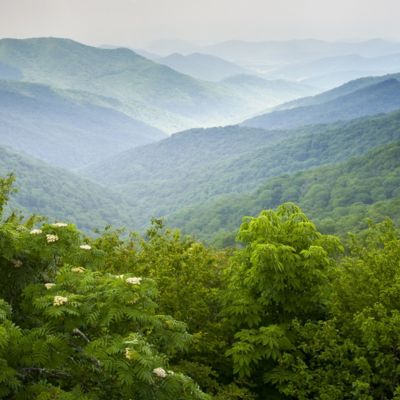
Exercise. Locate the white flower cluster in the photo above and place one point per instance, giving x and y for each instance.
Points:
(51, 238)
(160, 372)
(59, 225)
(79, 270)
(85, 247)
(36, 232)
(60, 300)
(17, 263)
(133, 281)
(49, 285)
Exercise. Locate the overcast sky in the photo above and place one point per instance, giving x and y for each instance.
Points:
(138, 22)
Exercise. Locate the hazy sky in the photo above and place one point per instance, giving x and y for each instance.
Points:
(137, 22)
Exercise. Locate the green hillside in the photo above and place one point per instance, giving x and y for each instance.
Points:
(193, 167)
(60, 195)
(377, 98)
(147, 91)
(66, 128)
(340, 197)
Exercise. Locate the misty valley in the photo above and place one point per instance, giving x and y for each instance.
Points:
(186, 221)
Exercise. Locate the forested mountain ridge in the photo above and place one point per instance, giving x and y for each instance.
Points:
(377, 98)
(147, 91)
(191, 168)
(340, 197)
(60, 195)
(342, 90)
(69, 129)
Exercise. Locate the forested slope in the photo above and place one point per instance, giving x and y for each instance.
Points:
(45, 190)
(182, 171)
(339, 197)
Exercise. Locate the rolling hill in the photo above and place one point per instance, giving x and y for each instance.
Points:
(338, 197)
(61, 195)
(332, 94)
(381, 97)
(146, 91)
(196, 166)
(66, 128)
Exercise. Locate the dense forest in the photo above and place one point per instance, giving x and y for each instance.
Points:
(288, 313)
(340, 198)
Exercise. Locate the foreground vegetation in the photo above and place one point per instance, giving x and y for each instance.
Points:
(289, 313)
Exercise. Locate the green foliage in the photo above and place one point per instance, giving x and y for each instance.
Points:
(280, 275)
(353, 353)
(78, 331)
(285, 315)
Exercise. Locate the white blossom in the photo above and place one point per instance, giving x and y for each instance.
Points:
(51, 238)
(160, 372)
(85, 247)
(60, 300)
(17, 263)
(133, 281)
(78, 269)
(59, 225)
(49, 285)
(36, 232)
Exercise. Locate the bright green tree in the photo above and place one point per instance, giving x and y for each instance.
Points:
(278, 277)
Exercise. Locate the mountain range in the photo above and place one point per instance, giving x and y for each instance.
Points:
(66, 128)
(197, 166)
(144, 90)
(97, 112)
(202, 66)
(381, 97)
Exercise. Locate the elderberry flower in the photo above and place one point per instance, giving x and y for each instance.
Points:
(49, 285)
(60, 300)
(59, 225)
(17, 263)
(160, 372)
(133, 281)
(35, 231)
(51, 238)
(85, 247)
(78, 269)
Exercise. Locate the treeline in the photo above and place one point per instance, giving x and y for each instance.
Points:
(289, 313)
